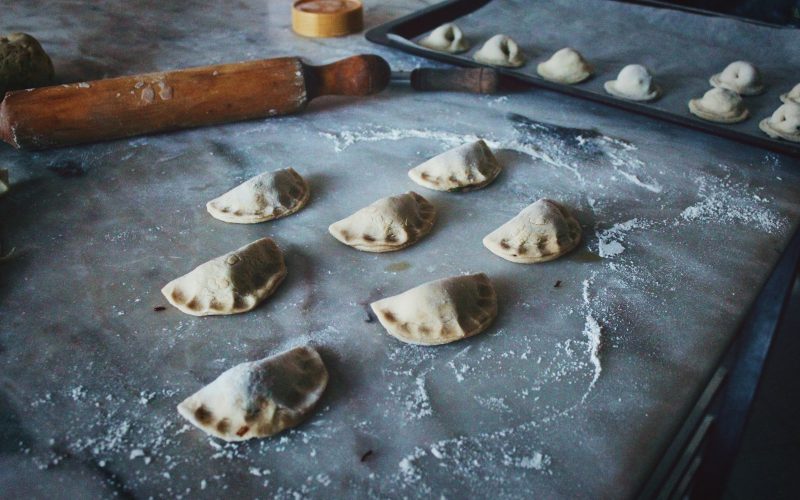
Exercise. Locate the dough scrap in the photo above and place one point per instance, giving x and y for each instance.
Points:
(784, 123)
(792, 96)
(440, 311)
(634, 82)
(23, 63)
(259, 398)
(446, 38)
(543, 231)
(565, 66)
(264, 197)
(387, 225)
(500, 50)
(232, 283)
(719, 105)
(465, 168)
(741, 77)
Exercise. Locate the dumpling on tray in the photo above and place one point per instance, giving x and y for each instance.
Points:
(446, 38)
(566, 66)
(500, 50)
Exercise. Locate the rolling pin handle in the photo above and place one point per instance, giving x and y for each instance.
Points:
(355, 76)
(475, 80)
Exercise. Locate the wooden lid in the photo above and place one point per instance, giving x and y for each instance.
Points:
(327, 18)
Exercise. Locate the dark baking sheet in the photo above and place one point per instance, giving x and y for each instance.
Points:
(682, 48)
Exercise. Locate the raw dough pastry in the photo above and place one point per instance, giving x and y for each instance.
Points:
(23, 63)
(793, 95)
(446, 38)
(467, 167)
(500, 50)
(543, 231)
(440, 311)
(264, 197)
(233, 283)
(565, 66)
(784, 123)
(719, 105)
(389, 224)
(634, 83)
(739, 76)
(260, 398)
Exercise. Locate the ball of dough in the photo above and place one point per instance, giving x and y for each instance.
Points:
(500, 50)
(719, 105)
(741, 77)
(784, 123)
(23, 63)
(634, 83)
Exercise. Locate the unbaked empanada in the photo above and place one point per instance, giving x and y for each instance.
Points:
(467, 167)
(264, 197)
(446, 38)
(260, 398)
(565, 66)
(543, 231)
(784, 123)
(233, 283)
(500, 50)
(739, 76)
(719, 105)
(389, 224)
(440, 311)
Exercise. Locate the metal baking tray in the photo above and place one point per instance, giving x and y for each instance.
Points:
(682, 47)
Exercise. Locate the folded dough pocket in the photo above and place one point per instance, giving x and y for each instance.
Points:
(389, 224)
(233, 283)
(467, 167)
(440, 311)
(260, 398)
(264, 197)
(543, 231)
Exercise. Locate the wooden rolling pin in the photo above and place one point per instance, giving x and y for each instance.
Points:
(99, 110)
(77, 113)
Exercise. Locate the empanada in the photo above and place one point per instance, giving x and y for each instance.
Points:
(440, 311)
(233, 283)
(543, 231)
(260, 398)
(467, 167)
(264, 197)
(389, 224)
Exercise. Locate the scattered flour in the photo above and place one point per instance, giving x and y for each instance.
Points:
(609, 241)
(724, 200)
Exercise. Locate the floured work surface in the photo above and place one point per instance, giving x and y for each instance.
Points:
(682, 49)
(574, 390)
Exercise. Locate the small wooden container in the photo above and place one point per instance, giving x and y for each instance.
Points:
(327, 18)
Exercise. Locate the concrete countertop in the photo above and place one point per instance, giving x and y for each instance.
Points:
(681, 229)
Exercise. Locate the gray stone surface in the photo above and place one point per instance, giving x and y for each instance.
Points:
(90, 373)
